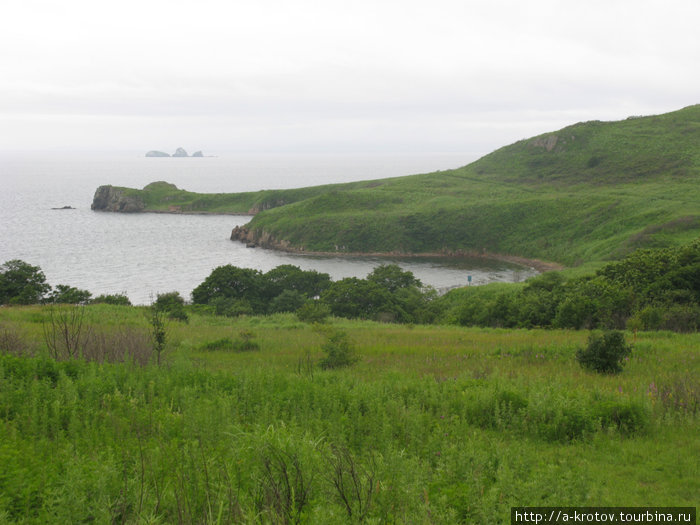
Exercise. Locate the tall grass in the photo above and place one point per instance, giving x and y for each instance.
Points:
(431, 425)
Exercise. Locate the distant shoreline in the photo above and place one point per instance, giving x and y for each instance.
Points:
(537, 264)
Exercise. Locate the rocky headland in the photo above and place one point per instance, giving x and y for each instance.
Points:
(110, 198)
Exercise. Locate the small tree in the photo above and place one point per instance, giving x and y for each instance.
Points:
(605, 353)
(159, 335)
(66, 332)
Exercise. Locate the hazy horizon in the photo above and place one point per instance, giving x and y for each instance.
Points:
(331, 77)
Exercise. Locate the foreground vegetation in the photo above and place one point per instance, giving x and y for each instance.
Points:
(429, 425)
(591, 192)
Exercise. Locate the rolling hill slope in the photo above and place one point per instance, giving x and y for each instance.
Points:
(592, 191)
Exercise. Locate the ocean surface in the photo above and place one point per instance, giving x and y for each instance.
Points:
(142, 255)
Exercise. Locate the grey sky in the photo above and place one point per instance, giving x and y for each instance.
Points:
(329, 75)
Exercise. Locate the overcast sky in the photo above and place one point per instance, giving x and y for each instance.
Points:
(334, 76)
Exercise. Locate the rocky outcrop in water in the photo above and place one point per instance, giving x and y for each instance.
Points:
(253, 238)
(179, 152)
(109, 198)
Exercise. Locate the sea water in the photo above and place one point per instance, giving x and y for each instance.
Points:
(142, 255)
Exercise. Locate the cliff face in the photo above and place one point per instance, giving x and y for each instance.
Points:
(263, 239)
(109, 198)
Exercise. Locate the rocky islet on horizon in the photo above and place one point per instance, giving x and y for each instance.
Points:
(179, 152)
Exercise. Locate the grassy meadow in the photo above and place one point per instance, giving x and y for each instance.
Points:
(432, 424)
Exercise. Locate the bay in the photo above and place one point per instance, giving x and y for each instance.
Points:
(142, 255)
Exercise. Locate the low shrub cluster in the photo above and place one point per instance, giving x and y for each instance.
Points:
(605, 353)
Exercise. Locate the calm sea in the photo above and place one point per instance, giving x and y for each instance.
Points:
(146, 254)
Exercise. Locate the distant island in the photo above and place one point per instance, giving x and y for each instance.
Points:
(179, 152)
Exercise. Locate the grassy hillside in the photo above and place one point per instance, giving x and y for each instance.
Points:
(166, 197)
(589, 192)
(431, 425)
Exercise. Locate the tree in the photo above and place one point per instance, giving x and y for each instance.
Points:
(172, 304)
(392, 278)
(159, 334)
(309, 283)
(352, 297)
(64, 294)
(22, 283)
(231, 282)
(287, 301)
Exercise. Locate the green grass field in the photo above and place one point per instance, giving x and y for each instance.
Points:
(431, 425)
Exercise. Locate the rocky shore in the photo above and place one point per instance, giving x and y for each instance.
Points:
(263, 239)
(110, 198)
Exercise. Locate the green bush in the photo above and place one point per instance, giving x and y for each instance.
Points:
(287, 301)
(64, 294)
(605, 352)
(626, 416)
(225, 343)
(114, 299)
(313, 311)
(340, 352)
(246, 342)
(231, 307)
(173, 305)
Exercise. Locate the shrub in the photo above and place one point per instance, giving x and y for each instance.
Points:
(627, 417)
(230, 307)
(605, 353)
(13, 342)
(287, 301)
(64, 294)
(313, 312)
(246, 342)
(66, 332)
(339, 350)
(118, 345)
(115, 299)
(173, 305)
(682, 318)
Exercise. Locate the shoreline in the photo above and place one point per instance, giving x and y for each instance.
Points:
(536, 264)
(176, 212)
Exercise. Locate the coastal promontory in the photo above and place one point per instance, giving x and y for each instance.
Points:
(111, 198)
(590, 192)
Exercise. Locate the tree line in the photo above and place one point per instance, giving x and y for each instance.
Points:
(650, 289)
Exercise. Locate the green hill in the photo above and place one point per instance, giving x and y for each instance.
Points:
(592, 191)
